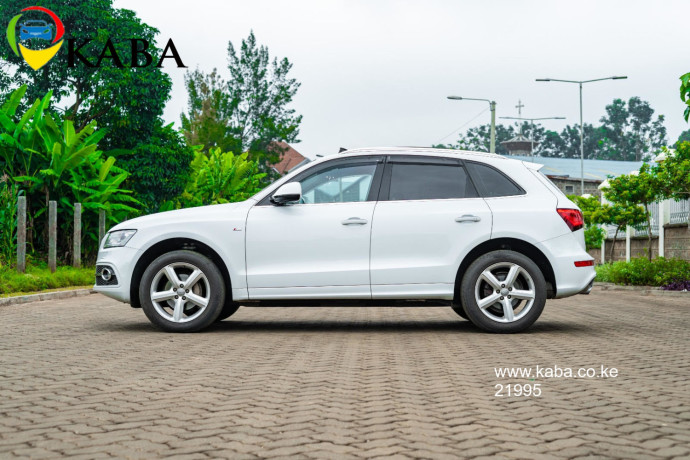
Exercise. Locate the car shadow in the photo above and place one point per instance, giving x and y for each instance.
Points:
(340, 326)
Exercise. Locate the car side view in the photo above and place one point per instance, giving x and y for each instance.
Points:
(35, 28)
(489, 236)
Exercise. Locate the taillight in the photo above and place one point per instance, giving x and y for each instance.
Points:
(584, 263)
(572, 217)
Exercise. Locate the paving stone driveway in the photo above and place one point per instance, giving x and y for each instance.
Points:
(89, 377)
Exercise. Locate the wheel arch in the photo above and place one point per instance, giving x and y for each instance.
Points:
(168, 245)
(511, 244)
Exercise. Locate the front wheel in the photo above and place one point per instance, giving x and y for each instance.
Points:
(182, 291)
(503, 291)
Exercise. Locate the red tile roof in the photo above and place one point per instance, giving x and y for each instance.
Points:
(289, 159)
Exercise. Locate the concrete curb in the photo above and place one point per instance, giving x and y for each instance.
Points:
(20, 299)
(641, 290)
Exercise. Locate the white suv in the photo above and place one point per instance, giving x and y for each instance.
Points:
(489, 236)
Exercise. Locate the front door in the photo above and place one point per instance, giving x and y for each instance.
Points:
(318, 247)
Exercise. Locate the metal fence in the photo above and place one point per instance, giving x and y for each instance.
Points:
(680, 212)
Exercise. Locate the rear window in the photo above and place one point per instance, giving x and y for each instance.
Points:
(491, 182)
(429, 182)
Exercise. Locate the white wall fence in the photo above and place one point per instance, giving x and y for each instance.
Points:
(662, 213)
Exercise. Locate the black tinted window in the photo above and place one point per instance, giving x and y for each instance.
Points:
(429, 182)
(492, 182)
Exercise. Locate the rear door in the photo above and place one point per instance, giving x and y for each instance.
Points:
(429, 216)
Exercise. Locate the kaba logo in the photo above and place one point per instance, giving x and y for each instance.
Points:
(37, 31)
(139, 48)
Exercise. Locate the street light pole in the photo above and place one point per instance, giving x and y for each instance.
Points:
(492, 106)
(582, 148)
(582, 145)
(532, 120)
(492, 142)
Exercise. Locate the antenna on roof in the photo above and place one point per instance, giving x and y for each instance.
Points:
(342, 149)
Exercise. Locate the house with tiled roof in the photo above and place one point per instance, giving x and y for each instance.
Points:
(289, 160)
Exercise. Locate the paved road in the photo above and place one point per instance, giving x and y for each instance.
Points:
(89, 377)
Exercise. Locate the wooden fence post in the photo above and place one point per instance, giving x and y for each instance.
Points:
(101, 226)
(76, 253)
(52, 235)
(21, 234)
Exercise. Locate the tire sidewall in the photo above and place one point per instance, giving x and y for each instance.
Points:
(216, 285)
(469, 281)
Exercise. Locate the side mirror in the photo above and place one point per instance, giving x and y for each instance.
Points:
(287, 193)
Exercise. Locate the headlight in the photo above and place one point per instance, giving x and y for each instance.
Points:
(118, 238)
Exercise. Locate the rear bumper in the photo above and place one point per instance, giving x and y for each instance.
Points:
(562, 252)
(588, 289)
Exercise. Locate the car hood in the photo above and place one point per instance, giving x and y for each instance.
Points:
(202, 213)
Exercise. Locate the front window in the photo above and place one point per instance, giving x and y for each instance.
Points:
(340, 184)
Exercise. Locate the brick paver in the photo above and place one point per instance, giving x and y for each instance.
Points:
(89, 377)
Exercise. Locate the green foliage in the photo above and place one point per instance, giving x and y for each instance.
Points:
(685, 93)
(594, 214)
(632, 190)
(160, 168)
(51, 160)
(125, 101)
(631, 133)
(221, 177)
(683, 137)
(8, 220)
(247, 113)
(594, 236)
(673, 172)
(644, 272)
(38, 277)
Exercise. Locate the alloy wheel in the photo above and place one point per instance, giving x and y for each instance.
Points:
(505, 292)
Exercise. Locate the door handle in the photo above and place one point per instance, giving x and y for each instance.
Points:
(468, 218)
(354, 221)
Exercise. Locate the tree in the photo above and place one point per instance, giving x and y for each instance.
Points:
(248, 112)
(684, 137)
(206, 123)
(632, 190)
(594, 214)
(630, 133)
(128, 102)
(685, 93)
(160, 168)
(567, 143)
(673, 172)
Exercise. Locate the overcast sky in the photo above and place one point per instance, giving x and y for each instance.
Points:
(377, 73)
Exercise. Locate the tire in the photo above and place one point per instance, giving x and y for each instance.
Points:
(459, 310)
(229, 309)
(516, 305)
(195, 300)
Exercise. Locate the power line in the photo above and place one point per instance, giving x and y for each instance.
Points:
(462, 126)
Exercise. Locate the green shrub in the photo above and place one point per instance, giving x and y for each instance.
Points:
(38, 278)
(643, 272)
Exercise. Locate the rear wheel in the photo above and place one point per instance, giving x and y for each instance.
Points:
(503, 291)
(182, 291)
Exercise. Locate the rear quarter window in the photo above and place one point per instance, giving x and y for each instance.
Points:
(491, 182)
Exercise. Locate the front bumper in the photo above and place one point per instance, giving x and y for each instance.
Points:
(121, 262)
